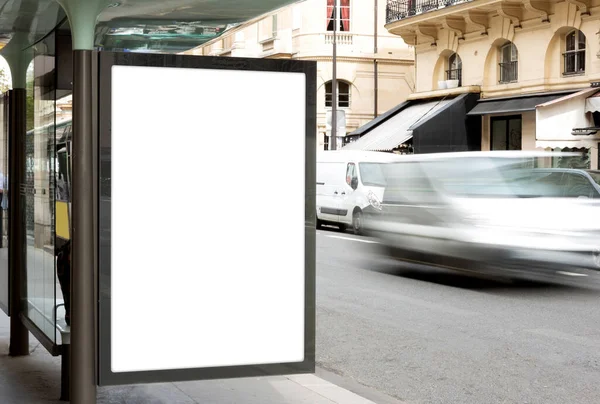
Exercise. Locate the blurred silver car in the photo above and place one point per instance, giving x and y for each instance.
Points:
(484, 212)
(568, 182)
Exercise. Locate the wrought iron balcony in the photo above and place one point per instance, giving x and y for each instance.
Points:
(454, 74)
(397, 10)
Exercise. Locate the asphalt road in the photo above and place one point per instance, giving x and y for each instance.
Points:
(423, 335)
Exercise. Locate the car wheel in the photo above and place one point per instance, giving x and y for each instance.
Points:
(357, 222)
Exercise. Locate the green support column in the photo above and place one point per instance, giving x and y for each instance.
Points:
(18, 61)
(18, 56)
(83, 15)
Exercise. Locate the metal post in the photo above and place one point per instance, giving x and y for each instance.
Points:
(19, 335)
(83, 331)
(334, 100)
(375, 72)
(1, 223)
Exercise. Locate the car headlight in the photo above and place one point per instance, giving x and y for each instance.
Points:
(374, 201)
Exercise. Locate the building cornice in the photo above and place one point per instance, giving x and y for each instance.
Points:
(278, 55)
(423, 26)
(300, 34)
(355, 59)
(382, 75)
(539, 86)
(444, 93)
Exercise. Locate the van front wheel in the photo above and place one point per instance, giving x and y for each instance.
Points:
(357, 222)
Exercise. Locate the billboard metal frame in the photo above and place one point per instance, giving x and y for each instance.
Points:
(106, 60)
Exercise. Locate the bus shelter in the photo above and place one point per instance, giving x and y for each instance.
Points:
(127, 186)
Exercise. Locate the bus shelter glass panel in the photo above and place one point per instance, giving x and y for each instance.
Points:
(44, 300)
(4, 280)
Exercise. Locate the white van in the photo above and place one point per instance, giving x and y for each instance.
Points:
(347, 182)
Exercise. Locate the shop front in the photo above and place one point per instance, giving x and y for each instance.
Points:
(509, 123)
(571, 124)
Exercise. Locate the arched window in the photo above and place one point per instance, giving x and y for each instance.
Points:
(454, 71)
(574, 56)
(509, 68)
(343, 15)
(343, 94)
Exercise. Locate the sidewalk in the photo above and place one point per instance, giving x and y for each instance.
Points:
(35, 379)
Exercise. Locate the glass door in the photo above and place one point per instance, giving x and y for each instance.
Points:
(506, 133)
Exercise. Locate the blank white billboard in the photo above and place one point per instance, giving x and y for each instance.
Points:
(208, 218)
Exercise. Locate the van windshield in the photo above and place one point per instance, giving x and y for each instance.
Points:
(372, 174)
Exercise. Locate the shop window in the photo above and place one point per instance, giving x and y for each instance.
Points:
(574, 55)
(583, 161)
(509, 67)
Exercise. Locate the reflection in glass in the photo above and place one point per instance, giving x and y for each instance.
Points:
(44, 296)
(62, 211)
(4, 281)
(499, 135)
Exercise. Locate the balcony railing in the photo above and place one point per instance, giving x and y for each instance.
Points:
(509, 72)
(342, 38)
(397, 10)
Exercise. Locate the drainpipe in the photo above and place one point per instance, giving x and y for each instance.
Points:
(415, 64)
(375, 73)
(334, 102)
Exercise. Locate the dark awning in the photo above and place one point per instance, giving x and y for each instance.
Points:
(398, 128)
(380, 119)
(450, 130)
(514, 104)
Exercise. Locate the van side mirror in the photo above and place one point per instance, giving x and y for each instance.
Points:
(354, 183)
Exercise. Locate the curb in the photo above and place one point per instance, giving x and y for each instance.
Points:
(328, 390)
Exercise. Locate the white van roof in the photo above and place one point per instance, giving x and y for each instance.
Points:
(344, 156)
(495, 153)
(337, 156)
